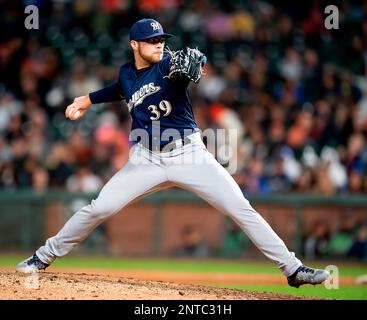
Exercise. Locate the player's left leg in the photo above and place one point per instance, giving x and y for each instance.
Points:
(209, 180)
(142, 175)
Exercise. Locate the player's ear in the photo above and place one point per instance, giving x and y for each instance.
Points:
(134, 45)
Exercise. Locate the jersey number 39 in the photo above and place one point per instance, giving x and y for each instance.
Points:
(164, 106)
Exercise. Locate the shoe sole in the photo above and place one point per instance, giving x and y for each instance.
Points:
(27, 271)
(301, 284)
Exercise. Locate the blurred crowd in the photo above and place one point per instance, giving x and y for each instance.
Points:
(295, 92)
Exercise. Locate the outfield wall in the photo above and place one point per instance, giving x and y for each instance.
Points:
(154, 226)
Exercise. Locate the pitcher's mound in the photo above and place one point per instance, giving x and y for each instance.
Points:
(82, 286)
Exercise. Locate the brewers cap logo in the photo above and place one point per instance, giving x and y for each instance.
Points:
(154, 25)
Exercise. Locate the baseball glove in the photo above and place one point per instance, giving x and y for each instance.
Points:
(186, 64)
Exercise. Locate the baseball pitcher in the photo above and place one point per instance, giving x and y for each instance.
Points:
(167, 150)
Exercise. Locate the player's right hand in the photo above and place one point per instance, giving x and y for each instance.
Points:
(76, 110)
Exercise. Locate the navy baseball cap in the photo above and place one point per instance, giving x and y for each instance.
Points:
(146, 29)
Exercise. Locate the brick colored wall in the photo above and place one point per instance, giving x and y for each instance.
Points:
(133, 231)
(140, 230)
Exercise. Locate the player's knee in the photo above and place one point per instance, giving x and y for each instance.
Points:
(101, 212)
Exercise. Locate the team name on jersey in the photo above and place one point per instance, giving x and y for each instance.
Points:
(139, 95)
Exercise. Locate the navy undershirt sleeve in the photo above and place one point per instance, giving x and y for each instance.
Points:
(107, 94)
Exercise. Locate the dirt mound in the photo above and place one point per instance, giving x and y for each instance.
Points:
(82, 286)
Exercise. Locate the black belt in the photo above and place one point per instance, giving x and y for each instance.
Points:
(170, 146)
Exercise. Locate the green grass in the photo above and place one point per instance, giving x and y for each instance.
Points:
(177, 265)
(346, 292)
(343, 293)
(154, 264)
